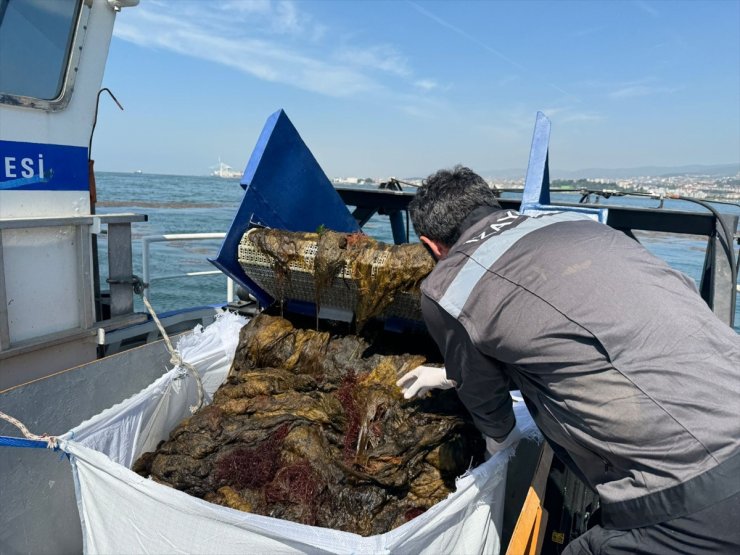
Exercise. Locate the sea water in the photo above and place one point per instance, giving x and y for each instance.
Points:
(192, 204)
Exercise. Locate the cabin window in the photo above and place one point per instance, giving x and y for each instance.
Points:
(35, 45)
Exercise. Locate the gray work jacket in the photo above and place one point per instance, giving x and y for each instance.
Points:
(620, 361)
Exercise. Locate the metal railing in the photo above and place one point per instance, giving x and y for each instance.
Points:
(147, 240)
(78, 273)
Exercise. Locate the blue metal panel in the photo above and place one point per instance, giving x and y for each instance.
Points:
(285, 188)
(43, 167)
(537, 184)
(536, 195)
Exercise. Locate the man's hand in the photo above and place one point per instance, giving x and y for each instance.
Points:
(422, 379)
(493, 446)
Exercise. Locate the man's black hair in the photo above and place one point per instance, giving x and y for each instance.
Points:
(444, 201)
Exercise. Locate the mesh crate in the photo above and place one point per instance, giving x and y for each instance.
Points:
(342, 295)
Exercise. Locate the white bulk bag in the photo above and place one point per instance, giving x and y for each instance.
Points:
(121, 512)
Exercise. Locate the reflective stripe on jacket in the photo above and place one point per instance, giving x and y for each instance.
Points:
(621, 362)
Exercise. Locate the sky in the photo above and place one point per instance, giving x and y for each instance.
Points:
(403, 88)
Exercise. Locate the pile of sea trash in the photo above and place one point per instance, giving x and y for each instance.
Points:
(310, 428)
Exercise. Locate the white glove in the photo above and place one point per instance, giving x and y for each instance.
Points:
(422, 379)
(493, 446)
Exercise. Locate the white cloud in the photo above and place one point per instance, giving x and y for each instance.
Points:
(507, 79)
(638, 90)
(426, 84)
(485, 46)
(423, 106)
(200, 32)
(466, 35)
(247, 6)
(569, 114)
(647, 8)
(585, 117)
(382, 57)
(277, 17)
(646, 86)
(287, 20)
(272, 41)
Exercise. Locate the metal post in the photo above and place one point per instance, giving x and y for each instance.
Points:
(398, 227)
(120, 268)
(145, 263)
(4, 325)
(717, 285)
(84, 264)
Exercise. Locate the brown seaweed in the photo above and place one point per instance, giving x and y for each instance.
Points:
(329, 260)
(282, 249)
(380, 271)
(310, 428)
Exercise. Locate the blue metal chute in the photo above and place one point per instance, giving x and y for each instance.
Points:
(285, 188)
(536, 195)
(537, 183)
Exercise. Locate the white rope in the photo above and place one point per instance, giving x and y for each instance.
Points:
(51, 441)
(176, 359)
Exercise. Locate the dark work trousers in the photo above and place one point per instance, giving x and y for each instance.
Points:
(714, 530)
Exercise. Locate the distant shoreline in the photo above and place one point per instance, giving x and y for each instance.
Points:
(690, 170)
